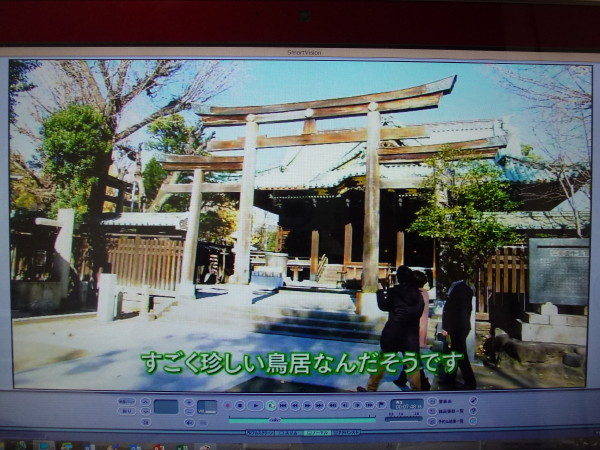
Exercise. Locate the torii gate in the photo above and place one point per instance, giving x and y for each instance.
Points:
(410, 99)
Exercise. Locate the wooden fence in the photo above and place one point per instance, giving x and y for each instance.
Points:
(146, 260)
(504, 277)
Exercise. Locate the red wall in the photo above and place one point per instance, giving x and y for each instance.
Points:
(377, 23)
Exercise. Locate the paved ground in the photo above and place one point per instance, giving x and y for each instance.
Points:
(79, 352)
(85, 354)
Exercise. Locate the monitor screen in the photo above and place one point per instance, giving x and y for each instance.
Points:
(208, 246)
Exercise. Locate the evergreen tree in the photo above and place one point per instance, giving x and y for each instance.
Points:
(153, 176)
(459, 196)
(76, 152)
(171, 135)
(130, 94)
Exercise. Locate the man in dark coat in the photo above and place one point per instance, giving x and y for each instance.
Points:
(401, 331)
(456, 324)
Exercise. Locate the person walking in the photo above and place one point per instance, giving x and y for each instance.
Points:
(404, 305)
(456, 325)
(421, 280)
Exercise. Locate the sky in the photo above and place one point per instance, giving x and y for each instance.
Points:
(476, 94)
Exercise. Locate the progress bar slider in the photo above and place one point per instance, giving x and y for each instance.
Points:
(303, 420)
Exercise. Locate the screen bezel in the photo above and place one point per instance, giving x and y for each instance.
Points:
(523, 32)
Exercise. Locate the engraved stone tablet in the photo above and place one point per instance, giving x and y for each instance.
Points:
(559, 271)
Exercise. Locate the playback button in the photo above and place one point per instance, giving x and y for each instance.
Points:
(271, 405)
(239, 405)
(255, 405)
(189, 423)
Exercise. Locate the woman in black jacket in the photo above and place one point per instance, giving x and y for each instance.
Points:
(401, 331)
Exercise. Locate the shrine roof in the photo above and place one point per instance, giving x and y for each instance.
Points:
(522, 170)
(146, 219)
(329, 165)
(314, 166)
(541, 220)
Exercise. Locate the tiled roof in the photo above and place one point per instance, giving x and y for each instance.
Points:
(328, 165)
(541, 220)
(522, 170)
(443, 132)
(177, 220)
(314, 166)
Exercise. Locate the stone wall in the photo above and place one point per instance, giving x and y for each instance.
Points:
(551, 327)
(36, 296)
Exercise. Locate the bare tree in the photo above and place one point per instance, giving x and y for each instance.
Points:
(130, 93)
(558, 103)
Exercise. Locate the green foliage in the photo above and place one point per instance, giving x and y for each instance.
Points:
(176, 203)
(526, 149)
(218, 224)
(265, 239)
(76, 150)
(76, 195)
(458, 196)
(25, 200)
(153, 176)
(27, 190)
(171, 135)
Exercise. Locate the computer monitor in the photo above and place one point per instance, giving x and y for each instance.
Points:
(296, 245)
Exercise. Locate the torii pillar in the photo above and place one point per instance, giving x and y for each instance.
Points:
(187, 285)
(244, 229)
(370, 272)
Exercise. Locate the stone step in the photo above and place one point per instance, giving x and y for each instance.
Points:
(320, 325)
(331, 274)
(317, 323)
(317, 313)
(302, 329)
(287, 321)
(320, 288)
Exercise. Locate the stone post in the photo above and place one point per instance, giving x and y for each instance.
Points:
(145, 302)
(107, 297)
(63, 247)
